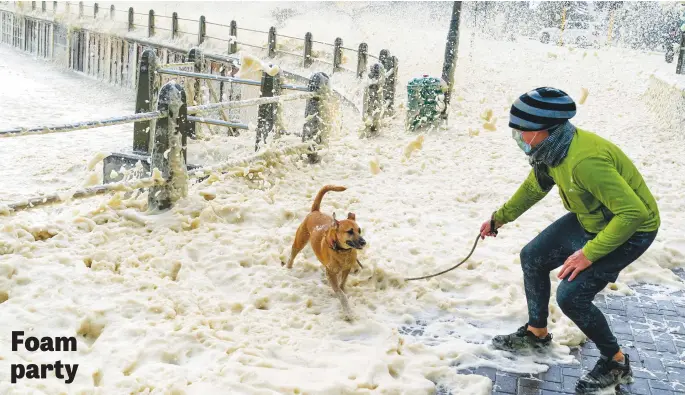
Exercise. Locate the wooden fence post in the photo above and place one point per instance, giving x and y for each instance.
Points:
(144, 100)
(316, 114)
(167, 149)
(308, 45)
(268, 114)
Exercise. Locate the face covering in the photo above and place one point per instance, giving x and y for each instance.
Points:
(517, 135)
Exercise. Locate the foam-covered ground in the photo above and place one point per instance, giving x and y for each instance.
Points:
(195, 300)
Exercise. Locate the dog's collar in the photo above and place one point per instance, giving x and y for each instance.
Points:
(334, 246)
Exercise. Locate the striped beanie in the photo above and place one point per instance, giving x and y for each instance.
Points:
(541, 109)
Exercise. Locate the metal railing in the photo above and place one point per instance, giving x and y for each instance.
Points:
(167, 183)
(115, 59)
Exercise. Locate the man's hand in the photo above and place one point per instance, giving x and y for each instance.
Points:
(574, 264)
(486, 230)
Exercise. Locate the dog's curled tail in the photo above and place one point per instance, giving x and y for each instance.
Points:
(317, 201)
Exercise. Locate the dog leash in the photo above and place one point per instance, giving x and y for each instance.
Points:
(494, 232)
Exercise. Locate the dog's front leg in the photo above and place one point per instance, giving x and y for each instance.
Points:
(333, 279)
(345, 273)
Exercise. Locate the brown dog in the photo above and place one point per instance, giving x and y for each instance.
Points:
(334, 242)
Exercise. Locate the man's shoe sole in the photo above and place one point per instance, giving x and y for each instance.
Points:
(622, 381)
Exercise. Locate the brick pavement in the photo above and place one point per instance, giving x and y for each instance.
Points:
(651, 331)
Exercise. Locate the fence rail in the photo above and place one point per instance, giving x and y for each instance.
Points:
(147, 116)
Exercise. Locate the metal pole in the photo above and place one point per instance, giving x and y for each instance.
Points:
(167, 156)
(268, 114)
(451, 49)
(96, 10)
(195, 56)
(233, 44)
(308, 43)
(317, 121)
(112, 12)
(202, 30)
(174, 25)
(131, 17)
(337, 54)
(373, 99)
(362, 59)
(151, 23)
(681, 57)
(272, 42)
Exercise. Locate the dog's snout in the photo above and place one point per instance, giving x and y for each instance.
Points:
(362, 242)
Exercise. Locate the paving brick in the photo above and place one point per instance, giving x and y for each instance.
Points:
(642, 336)
(622, 326)
(670, 313)
(572, 372)
(662, 392)
(546, 392)
(665, 305)
(615, 304)
(590, 352)
(487, 372)
(569, 384)
(659, 385)
(676, 375)
(654, 319)
(552, 374)
(528, 390)
(634, 354)
(675, 326)
(616, 312)
(622, 338)
(640, 387)
(673, 361)
(665, 345)
(677, 317)
(505, 384)
(634, 311)
(645, 346)
(650, 353)
(649, 375)
(530, 382)
(551, 386)
(653, 364)
(645, 300)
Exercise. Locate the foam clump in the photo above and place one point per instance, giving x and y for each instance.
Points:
(584, 92)
(413, 146)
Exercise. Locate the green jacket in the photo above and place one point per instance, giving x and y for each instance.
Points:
(601, 186)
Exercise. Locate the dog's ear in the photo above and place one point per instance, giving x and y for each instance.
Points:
(351, 216)
(335, 221)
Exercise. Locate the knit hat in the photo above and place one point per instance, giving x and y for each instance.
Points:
(541, 109)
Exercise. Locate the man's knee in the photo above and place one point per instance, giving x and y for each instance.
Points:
(565, 299)
(528, 256)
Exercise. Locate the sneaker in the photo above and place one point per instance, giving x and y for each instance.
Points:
(521, 340)
(606, 373)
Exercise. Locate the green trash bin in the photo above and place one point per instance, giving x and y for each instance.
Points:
(426, 100)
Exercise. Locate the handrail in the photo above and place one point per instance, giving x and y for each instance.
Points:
(250, 102)
(143, 116)
(214, 77)
(123, 186)
(219, 122)
(225, 166)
